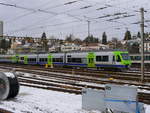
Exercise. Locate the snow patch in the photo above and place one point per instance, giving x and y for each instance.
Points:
(33, 100)
(9, 74)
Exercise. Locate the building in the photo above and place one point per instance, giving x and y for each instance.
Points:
(18, 48)
(147, 45)
(56, 48)
(138, 41)
(69, 47)
(93, 46)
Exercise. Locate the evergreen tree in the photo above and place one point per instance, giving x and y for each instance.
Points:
(90, 39)
(9, 43)
(104, 38)
(134, 48)
(23, 42)
(139, 35)
(3, 44)
(44, 42)
(146, 35)
(69, 38)
(78, 41)
(127, 35)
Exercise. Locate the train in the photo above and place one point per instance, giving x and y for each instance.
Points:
(84, 59)
(136, 60)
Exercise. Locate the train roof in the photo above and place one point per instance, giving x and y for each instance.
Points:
(76, 51)
(105, 50)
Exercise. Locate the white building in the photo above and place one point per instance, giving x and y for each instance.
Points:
(94, 46)
(69, 47)
(146, 44)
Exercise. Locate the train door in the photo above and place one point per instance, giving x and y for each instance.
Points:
(25, 59)
(50, 60)
(118, 59)
(113, 60)
(91, 60)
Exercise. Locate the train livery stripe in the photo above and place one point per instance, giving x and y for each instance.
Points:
(32, 63)
(81, 65)
(74, 64)
(99, 65)
(114, 66)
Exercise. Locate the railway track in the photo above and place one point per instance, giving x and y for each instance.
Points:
(73, 83)
(67, 86)
(4, 111)
(130, 76)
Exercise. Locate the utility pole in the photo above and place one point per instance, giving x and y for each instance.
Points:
(88, 27)
(142, 44)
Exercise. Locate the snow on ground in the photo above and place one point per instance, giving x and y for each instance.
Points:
(33, 100)
(147, 108)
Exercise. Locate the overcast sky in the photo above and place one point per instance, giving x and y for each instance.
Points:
(62, 17)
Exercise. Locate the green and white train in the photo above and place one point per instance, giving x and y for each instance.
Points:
(90, 59)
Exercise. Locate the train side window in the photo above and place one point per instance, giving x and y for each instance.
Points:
(34, 59)
(54, 59)
(132, 57)
(75, 60)
(57, 59)
(118, 58)
(84, 60)
(89, 60)
(22, 58)
(45, 59)
(138, 57)
(69, 59)
(113, 58)
(105, 58)
(42, 59)
(148, 57)
(102, 58)
(98, 58)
